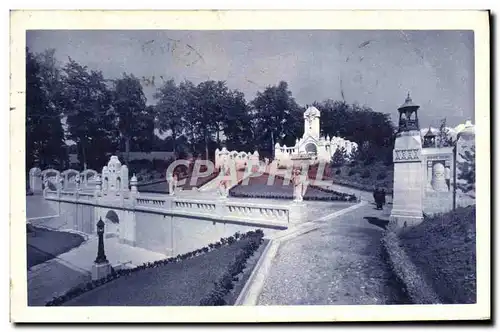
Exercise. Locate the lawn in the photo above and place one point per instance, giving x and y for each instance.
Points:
(444, 249)
(178, 284)
(44, 244)
(258, 187)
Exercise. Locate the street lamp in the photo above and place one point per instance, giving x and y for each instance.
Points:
(101, 256)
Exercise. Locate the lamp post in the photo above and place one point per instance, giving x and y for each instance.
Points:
(101, 256)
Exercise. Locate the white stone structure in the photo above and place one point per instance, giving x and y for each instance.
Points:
(407, 208)
(227, 159)
(172, 183)
(312, 146)
(424, 170)
(115, 178)
(35, 180)
(299, 186)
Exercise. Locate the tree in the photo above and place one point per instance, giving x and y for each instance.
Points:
(277, 117)
(372, 131)
(339, 157)
(205, 113)
(86, 102)
(170, 109)
(44, 132)
(443, 138)
(468, 169)
(135, 120)
(237, 123)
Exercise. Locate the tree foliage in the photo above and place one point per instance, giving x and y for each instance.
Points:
(444, 138)
(44, 132)
(86, 103)
(467, 169)
(372, 131)
(135, 120)
(339, 158)
(105, 115)
(278, 117)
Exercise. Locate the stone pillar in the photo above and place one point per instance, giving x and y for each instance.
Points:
(133, 185)
(428, 177)
(297, 212)
(35, 180)
(407, 203)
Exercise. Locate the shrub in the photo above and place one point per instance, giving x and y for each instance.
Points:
(369, 161)
(225, 284)
(351, 172)
(365, 174)
(338, 171)
(381, 175)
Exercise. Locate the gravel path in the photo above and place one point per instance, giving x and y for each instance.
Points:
(339, 263)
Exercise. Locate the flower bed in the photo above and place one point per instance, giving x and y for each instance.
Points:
(154, 284)
(258, 187)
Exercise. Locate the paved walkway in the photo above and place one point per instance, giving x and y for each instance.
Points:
(339, 263)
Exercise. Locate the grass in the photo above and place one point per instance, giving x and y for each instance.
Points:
(182, 283)
(443, 248)
(44, 244)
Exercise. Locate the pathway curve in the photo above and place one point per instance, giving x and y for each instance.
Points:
(336, 264)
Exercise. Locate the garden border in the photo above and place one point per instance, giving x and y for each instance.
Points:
(415, 286)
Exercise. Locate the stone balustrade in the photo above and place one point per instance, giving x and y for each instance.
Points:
(279, 214)
(150, 202)
(273, 215)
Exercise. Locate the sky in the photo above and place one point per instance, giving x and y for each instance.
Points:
(375, 68)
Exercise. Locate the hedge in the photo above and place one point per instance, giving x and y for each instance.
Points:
(407, 274)
(80, 289)
(225, 284)
(270, 195)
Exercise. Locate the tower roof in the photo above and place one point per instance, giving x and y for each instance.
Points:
(429, 133)
(408, 104)
(311, 111)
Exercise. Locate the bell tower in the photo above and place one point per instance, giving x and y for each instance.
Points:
(311, 122)
(408, 115)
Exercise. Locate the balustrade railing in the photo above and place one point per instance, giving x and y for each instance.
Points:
(256, 212)
(195, 206)
(150, 202)
(216, 209)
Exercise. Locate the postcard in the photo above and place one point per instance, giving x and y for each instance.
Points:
(249, 166)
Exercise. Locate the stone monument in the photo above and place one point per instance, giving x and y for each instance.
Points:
(407, 155)
(115, 178)
(172, 180)
(312, 146)
(35, 180)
